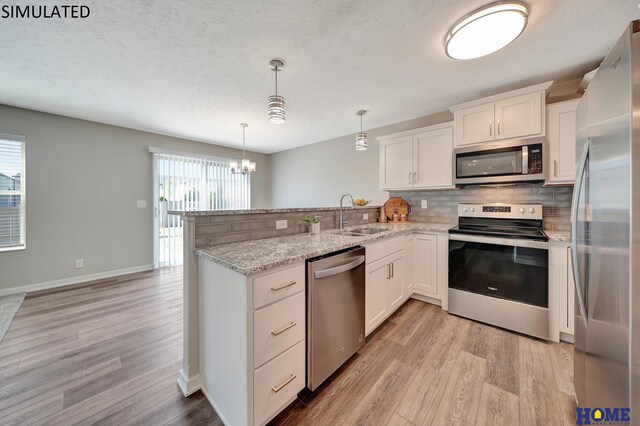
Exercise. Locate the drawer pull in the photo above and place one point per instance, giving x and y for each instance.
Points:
(283, 286)
(283, 329)
(286, 382)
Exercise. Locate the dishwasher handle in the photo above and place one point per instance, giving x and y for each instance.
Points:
(323, 273)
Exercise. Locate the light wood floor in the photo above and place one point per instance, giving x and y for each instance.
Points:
(103, 353)
(425, 367)
(109, 353)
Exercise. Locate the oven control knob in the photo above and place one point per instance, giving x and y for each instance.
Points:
(465, 209)
(473, 209)
(531, 210)
(522, 210)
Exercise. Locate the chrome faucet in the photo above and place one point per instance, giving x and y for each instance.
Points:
(341, 221)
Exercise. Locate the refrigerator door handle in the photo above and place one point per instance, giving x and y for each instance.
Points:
(574, 230)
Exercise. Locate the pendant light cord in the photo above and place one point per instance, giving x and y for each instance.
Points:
(243, 149)
(276, 73)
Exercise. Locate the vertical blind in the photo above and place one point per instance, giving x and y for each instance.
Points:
(12, 193)
(191, 183)
(187, 183)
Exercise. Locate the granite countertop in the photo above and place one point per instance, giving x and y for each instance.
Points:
(257, 211)
(558, 236)
(249, 257)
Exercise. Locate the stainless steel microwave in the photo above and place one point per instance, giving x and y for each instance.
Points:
(500, 162)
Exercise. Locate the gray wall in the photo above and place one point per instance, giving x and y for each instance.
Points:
(316, 175)
(83, 180)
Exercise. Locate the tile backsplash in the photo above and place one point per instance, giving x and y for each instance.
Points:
(223, 229)
(442, 206)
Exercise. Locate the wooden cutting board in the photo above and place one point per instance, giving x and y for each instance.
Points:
(394, 204)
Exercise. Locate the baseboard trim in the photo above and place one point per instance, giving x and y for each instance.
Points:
(426, 299)
(213, 404)
(566, 337)
(188, 386)
(75, 280)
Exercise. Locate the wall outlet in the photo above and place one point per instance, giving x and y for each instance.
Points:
(281, 224)
(423, 204)
(365, 216)
(142, 204)
(79, 263)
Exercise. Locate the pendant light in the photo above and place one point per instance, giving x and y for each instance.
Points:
(246, 166)
(275, 113)
(486, 30)
(361, 137)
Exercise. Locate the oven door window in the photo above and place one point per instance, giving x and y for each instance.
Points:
(499, 162)
(506, 272)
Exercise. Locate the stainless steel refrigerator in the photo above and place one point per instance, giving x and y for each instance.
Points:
(606, 233)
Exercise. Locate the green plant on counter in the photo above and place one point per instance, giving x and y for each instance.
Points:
(311, 220)
(161, 199)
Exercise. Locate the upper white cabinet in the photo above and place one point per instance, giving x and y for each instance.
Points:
(561, 137)
(511, 115)
(417, 159)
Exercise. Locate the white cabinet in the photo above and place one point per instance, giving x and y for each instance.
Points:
(516, 114)
(385, 283)
(252, 340)
(396, 163)
(417, 159)
(561, 136)
(474, 124)
(395, 283)
(375, 308)
(561, 281)
(408, 270)
(425, 260)
(520, 116)
(433, 159)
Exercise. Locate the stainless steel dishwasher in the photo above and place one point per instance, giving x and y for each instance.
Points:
(335, 312)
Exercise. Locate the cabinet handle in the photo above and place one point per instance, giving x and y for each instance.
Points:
(283, 286)
(491, 128)
(415, 177)
(283, 329)
(393, 270)
(388, 271)
(286, 382)
(410, 182)
(498, 126)
(555, 168)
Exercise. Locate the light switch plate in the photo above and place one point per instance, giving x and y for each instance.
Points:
(79, 263)
(281, 224)
(142, 204)
(365, 216)
(423, 204)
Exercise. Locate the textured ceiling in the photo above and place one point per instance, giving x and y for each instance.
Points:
(198, 68)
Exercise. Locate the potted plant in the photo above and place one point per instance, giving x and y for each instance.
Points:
(313, 223)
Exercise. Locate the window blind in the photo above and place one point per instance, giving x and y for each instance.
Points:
(12, 193)
(191, 183)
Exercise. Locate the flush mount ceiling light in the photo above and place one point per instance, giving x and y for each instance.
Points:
(361, 137)
(275, 112)
(246, 166)
(486, 30)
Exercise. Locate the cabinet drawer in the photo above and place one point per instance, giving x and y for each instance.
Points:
(278, 327)
(278, 382)
(384, 248)
(278, 285)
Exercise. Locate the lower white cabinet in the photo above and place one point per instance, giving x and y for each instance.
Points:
(425, 261)
(408, 270)
(252, 340)
(561, 279)
(385, 285)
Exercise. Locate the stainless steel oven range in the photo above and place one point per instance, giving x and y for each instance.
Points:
(498, 267)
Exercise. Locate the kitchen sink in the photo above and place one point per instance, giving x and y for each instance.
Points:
(359, 232)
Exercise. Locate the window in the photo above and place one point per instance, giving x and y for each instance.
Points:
(12, 192)
(184, 182)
